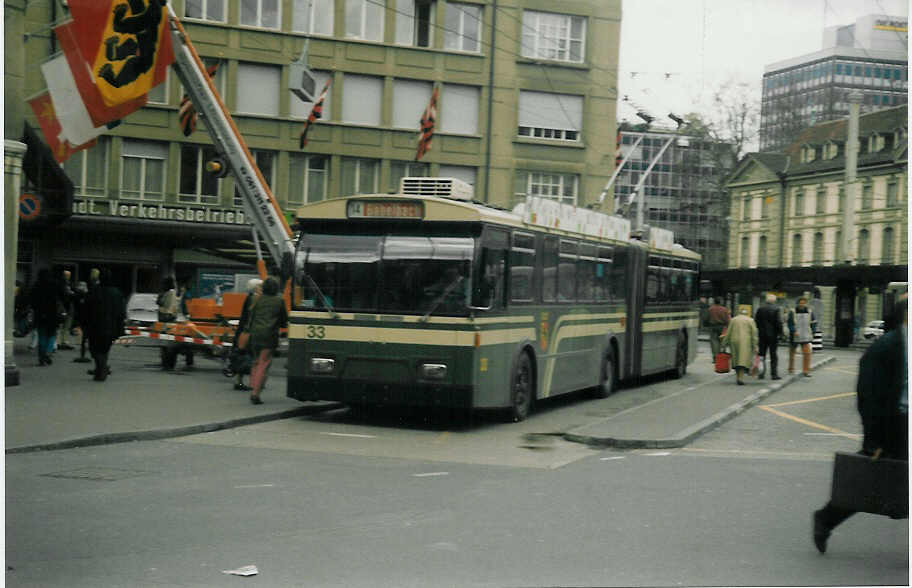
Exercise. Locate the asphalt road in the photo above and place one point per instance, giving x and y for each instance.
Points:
(393, 499)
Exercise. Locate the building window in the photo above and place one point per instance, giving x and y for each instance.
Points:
(258, 89)
(761, 252)
(300, 109)
(360, 176)
(143, 167)
(405, 169)
(559, 187)
(362, 99)
(218, 80)
(205, 9)
(459, 109)
(818, 248)
(797, 255)
(820, 201)
(414, 20)
(460, 172)
(265, 161)
(159, 93)
(841, 202)
(410, 98)
(307, 178)
(314, 17)
(745, 251)
(364, 19)
(799, 202)
(560, 37)
(88, 169)
(892, 193)
(886, 255)
(864, 246)
(545, 115)
(765, 204)
(462, 30)
(745, 208)
(867, 196)
(260, 13)
(196, 185)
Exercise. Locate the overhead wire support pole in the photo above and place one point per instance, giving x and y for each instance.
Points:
(618, 169)
(639, 186)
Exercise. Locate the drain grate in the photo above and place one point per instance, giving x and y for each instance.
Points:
(98, 474)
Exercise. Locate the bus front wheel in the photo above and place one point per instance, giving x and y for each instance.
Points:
(608, 377)
(521, 387)
(680, 369)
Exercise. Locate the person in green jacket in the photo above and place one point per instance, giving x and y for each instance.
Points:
(742, 338)
(266, 316)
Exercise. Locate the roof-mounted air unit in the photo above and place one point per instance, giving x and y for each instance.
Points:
(440, 187)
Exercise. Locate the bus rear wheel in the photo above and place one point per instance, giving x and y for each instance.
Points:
(521, 387)
(608, 378)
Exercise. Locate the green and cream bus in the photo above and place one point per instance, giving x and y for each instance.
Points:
(426, 298)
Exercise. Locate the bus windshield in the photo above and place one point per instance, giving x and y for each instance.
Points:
(384, 273)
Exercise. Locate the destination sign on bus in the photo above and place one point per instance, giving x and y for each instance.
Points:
(385, 209)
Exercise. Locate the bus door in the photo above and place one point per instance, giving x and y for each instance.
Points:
(636, 300)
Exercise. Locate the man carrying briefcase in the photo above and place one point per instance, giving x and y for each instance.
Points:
(883, 405)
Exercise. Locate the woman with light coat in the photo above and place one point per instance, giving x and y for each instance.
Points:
(743, 340)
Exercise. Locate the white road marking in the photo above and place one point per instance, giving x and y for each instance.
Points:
(350, 435)
(611, 458)
(658, 453)
(429, 474)
(833, 435)
(255, 486)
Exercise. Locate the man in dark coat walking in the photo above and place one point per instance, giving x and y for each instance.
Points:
(883, 403)
(769, 325)
(48, 307)
(105, 313)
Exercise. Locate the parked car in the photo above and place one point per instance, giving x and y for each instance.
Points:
(142, 310)
(873, 330)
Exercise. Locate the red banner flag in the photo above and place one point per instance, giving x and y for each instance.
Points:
(99, 112)
(315, 113)
(428, 119)
(43, 108)
(128, 45)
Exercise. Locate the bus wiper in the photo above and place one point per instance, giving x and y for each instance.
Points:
(439, 299)
(326, 302)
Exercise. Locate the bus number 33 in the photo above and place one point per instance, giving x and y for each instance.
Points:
(314, 332)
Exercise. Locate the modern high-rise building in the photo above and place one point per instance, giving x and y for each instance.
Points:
(683, 192)
(527, 106)
(869, 56)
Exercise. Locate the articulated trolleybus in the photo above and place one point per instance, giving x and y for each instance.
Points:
(426, 298)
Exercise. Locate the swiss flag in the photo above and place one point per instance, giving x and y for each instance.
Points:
(43, 108)
(99, 112)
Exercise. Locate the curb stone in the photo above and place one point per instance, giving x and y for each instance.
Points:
(168, 433)
(691, 433)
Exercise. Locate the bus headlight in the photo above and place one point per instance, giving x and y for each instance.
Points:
(433, 371)
(322, 365)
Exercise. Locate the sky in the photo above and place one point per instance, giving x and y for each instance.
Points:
(705, 44)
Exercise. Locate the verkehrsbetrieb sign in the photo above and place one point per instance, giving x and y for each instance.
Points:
(144, 211)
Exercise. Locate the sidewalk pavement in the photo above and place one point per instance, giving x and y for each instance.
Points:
(60, 406)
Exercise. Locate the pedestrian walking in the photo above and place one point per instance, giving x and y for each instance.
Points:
(742, 339)
(241, 357)
(769, 326)
(66, 297)
(49, 309)
(704, 315)
(21, 311)
(267, 316)
(801, 325)
(168, 301)
(883, 404)
(80, 292)
(719, 317)
(105, 313)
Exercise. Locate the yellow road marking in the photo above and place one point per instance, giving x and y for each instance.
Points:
(843, 395)
(442, 437)
(808, 423)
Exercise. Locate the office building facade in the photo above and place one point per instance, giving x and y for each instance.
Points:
(527, 106)
(869, 56)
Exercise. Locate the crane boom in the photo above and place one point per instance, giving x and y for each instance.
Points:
(265, 213)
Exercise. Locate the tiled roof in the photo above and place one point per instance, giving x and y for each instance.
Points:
(776, 162)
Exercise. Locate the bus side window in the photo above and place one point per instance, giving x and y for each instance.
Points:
(653, 281)
(585, 273)
(619, 275)
(488, 290)
(522, 266)
(549, 269)
(566, 272)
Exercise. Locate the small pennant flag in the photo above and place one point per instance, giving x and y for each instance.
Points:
(187, 113)
(315, 113)
(428, 119)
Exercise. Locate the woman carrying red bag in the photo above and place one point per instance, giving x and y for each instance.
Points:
(267, 316)
(743, 340)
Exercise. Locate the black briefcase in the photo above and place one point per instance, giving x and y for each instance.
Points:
(878, 486)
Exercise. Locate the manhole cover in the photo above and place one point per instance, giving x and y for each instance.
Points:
(99, 474)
